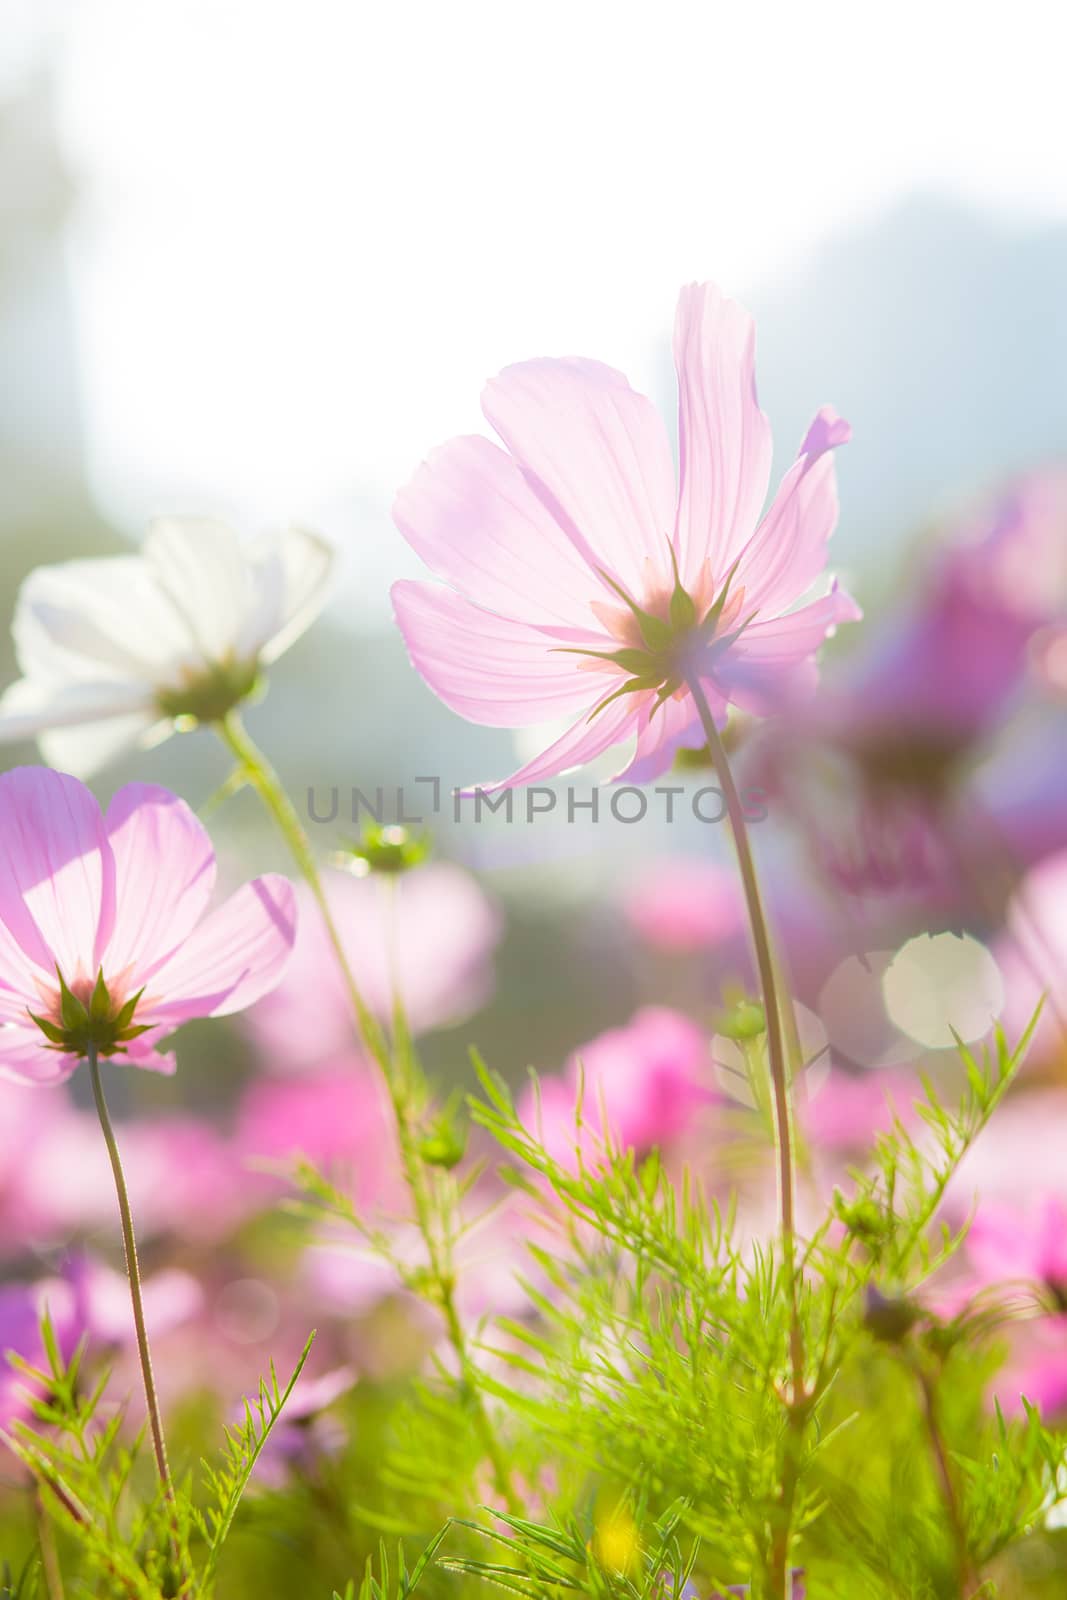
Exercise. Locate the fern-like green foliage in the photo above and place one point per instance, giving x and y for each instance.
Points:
(641, 1407)
(135, 1542)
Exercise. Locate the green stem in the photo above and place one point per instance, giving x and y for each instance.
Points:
(968, 1579)
(797, 1400)
(133, 1273)
(765, 965)
(396, 1061)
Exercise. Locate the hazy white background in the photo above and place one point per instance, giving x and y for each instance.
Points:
(307, 230)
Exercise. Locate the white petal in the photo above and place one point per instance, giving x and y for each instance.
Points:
(106, 619)
(205, 574)
(87, 750)
(305, 563)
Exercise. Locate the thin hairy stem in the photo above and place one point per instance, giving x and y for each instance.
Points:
(396, 1060)
(969, 1582)
(797, 1400)
(133, 1273)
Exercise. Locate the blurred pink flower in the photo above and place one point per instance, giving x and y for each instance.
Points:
(100, 1301)
(587, 583)
(685, 905)
(334, 1118)
(1013, 1244)
(22, 1306)
(350, 1279)
(1036, 1370)
(875, 770)
(305, 1431)
(1050, 658)
(182, 1175)
(122, 898)
(641, 1084)
(1032, 956)
(849, 1110)
(86, 1300)
(443, 930)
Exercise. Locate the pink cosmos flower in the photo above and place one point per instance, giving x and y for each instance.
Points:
(641, 1084)
(1032, 956)
(22, 1306)
(336, 1117)
(1008, 1244)
(876, 771)
(685, 905)
(849, 1110)
(586, 583)
(104, 939)
(443, 930)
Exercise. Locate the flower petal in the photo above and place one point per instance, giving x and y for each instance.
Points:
(588, 739)
(475, 521)
(497, 672)
(305, 565)
(724, 439)
(596, 453)
(79, 726)
(86, 749)
(660, 736)
(202, 569)
(25, 1057)
(87, 622)
(236, 955)
(772, 663)
(787, 552)
(57, 873)
(164, 878)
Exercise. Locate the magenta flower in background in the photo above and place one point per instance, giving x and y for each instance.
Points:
(1032, 956)
(850, 1109)
(104, 936)
(685, 905)
(873, 770)
(22, 1306)
(336, 1117)
(641, 1084)
(586, 583)
(1010, 1244)
(442, 929)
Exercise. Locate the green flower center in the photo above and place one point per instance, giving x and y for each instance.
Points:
(662, 648)
(211, 693)
(87, 1017)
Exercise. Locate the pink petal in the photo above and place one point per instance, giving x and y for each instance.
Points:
(164, 877)
(773, 664)
(724, 439)
(597, 454)
(659, 738)
(787, 552)
(236, 955)
(579, 745)
(501, 673)
(57, 875)
(475, 521)
(25, 1057)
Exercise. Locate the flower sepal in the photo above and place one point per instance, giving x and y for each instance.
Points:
(96, 1023)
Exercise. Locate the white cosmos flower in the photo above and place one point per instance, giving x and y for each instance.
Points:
(115, 650)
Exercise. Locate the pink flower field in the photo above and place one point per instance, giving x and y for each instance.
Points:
(533, 1027)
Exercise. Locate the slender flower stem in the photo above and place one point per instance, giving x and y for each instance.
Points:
(967, 1576)
(797, 1402)
(395, 1059)
(46, 1539)
(767, 974)
(133, 1273)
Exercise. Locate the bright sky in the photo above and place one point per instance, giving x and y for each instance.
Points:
(312, 229)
